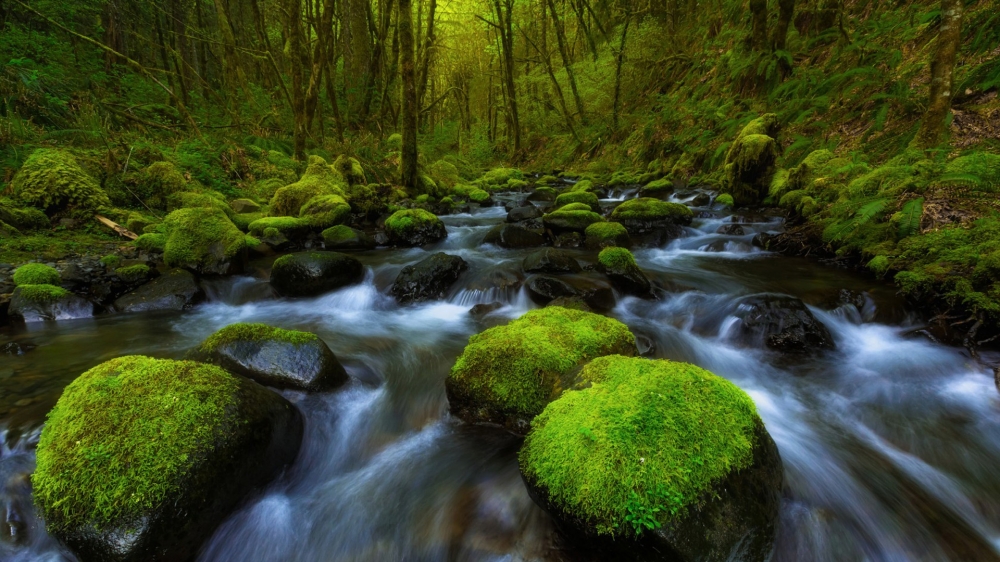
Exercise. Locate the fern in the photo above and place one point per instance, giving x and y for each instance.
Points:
(912, 213)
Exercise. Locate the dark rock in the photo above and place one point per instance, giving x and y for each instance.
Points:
(308, 274)
(37, 303)
(429, 279)
(14, 348)
(177, 290)
(381, 238)
(515, 236)
(629, 279)
(543, 289)
(781, 323)
(762, 240)
(598, 295)
(573, 303)
(731, 230)
(701, 200)
(550, 260)
(525, 213)
(483, 309)
(346, 238)
(568, 240)
(546, 194)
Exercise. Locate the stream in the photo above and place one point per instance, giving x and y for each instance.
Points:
(890, 443)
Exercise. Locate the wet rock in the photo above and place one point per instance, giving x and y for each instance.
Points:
(550, 260)
(191, 484)
(731, 230)
(762, 240)
(176, 290)
(429, 279)
(543, 289)
(570, 219)
(37, 303)
(481, 310)
(414, 227)
(598, 295)
(544, 194)
(14, 348)
(515, 236)
(274, 357)
(620, 267)
(346, 238)
(525, 213)
(701, 200)
(308, 274)
(781, 323)
(568, 240)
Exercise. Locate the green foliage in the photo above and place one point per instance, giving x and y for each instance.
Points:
(52, 180)
(909, 221)
(324, 211)
(669, 430)
(126, 436)
(349, 169)
(36, 274)
(318, 179)
(254, 333)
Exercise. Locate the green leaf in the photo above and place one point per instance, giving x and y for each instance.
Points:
(912, 212)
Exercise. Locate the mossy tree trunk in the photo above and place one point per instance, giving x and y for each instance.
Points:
(786, 11)
(949, 41)
(426, 53)
(357, 50)
(294, 13)
(567, 62)
(619, 62)
(409, 113)
(758, 25)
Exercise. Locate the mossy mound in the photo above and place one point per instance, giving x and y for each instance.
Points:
(507, 374)
(498, 178)
(606, 234)
(658, 189)
(647, 215)
(726, 200)
(445, 174)
(160, 180)
(137, 222)
(204, 240)
(200, 200)
(36, 274)
(415, 227)
(141, 458)
(23, 219)
(350, 170)
(134, 273)
(343, 237)
(292, 228)
(52, 180)
(751, 159)
(318, 179)
(659, 451)
(325, 211)
(619, 265)
(585, 197)
(584, 186)
(543, 194)
(573, 220)
(481, 197)
(152, 242)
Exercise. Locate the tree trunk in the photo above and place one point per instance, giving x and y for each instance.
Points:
(232, 73)
(410, 109)
(425, 59)
(758, 25)
(786, 10)
(618, 74)
(356, 47)
(296, 49)
(506, 32)
(949, 41)
(567, 63)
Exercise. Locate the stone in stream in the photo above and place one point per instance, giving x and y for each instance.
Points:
(781, 323)
(204, 240)
(731, 230)
(620, 267)
(343, 237)
(141, 459)
(550, 260)
(681, 420)
(414, 227)
(37, 303)
(177, 290)
(507, 374)
(274, 357)
(429, 279)
(543, 194)
(607, 234)
(571, 219)
(652, 220)
(309, 274)
(515, 236)
(525, 213)
(597, 294)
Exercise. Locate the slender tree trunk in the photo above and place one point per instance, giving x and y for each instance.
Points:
(331, 94)
(547, 62)
(425, 59)
(786, 11)
(949, 41)
(618, 73)
(567, 63)
(321, 52)
(758, 25)
(505, 9)
(357, 50)
(233, 75)
(410, 109)
(295, 43)
(580, 20)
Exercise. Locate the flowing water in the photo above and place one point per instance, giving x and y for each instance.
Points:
(891, 443)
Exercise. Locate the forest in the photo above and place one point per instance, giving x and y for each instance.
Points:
(535, 280)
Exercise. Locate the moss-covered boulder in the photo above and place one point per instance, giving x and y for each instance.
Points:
(414, 227)
(607, 234)
(481, 197)
(498, 179)
(508, 374)
(137, 222)
(141, 458)
(445, 174)
(572, 219)
(646, 215)
(195, 200)
(37, 303)
(318, 179)
(620, 267)
(159, 181)
(244, 206)
(23, 219)
(52, 180)
(308, 274)
(582, 186)
(750, 162)
(324, 211)
(176, 290)
(274, 357)
(584, 197)
(429, 279)
(204, 240)
(543, 194)
(656, 460)
(662, 188)
(525, 212)
(350, 170)
(135, 274)
(36, 274)
(343, 237)
(292, 228)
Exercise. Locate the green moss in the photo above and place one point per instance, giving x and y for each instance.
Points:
(41, 294)
(617, 259)
(500, 176)
(547, 180)
(199, 237)
(264, 190)
(325, 211)
(575, 207)
(395, 141)
(725, 200)
(36, 274)
(152, 242)
(255, 333)
(427, 186)
(750, 160)
(479, 196)
(578, 218)
(51, 179)
(350, 169)
(133, 273)
(519, 368)
(583, 186)
(244, 220)
(652, 210)
(444, 174)
(585, 197)
(403, 224)
(318, 179)
(658, 188)
(607, 233)
(203, 200)
(647, 438)
(515, 185)
(136, 222)
(290, 227)
(124, 437)
(620, 178)
(337, 234)
(25, 219)
(161, 180)
(111, 261)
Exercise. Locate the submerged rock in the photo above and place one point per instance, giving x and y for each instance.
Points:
(515, 236)
(37, 303)
(695, 462)
(177, 290)
(415, 227)
(550, 260)
(274, 357)
(525, 213)
(308, 274)
(141, 459)
(507, 374)
(429, 279)
(781, 323)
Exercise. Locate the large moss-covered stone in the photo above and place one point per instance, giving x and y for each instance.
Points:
(571, 219)
(37, 303)
(750, 162)
(141, 459)
(644, 215)
(507, 374)
(309, 274)
(620, 267)
(274, 356)
(319, 179)
(415, 227)
(52, 180)
(204, 240)
(656, 460)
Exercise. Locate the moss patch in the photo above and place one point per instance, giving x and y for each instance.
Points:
(325, 211)
(647, 209)
(200, 238)
(319, 179)
(255, 333)
(404, 224)
(124, 436)
(577, 219)
(51, 179)
(36, 274)
(42, 294)
(133, 273)
(584, 197)
(616, 259)
(641, 445)
(152, 242)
